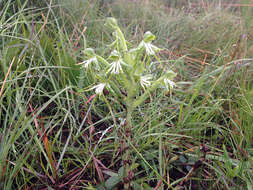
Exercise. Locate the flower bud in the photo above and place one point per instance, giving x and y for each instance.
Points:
(111, 22)
(148, 37)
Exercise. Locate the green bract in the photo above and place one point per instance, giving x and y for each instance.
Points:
(111, 23)
(115, 55)
(89, 52)
(148, 37)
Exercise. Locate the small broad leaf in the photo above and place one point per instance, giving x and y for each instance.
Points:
(112, 182)
(234, 172)
(188, 168)
(121, 172)
(182, 159)
(146, 186)
(110, 173)
(228, 164)
(134, 166)
(100, 187)
(135, 185)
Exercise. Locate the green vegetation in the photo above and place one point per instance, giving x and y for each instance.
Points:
(126, 114)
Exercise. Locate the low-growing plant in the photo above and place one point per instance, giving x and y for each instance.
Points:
(129, 78)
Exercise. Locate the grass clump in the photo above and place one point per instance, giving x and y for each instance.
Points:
(111, 123)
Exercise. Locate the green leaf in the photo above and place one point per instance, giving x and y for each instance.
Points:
(98, 187)
(235, 171)
(146, 186)
(226, 156)
(135, 185)
(182, 159)
(112, 182)
(121, 172)
(134, 166)
(110, 173)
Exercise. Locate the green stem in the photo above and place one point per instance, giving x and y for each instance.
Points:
(126, 155)
(123, 46)
(145, 95)
(122, 39)
(102, 60)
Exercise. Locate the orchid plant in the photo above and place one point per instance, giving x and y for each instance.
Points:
(126, 74)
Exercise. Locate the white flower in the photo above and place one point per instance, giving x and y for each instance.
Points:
(115, 67)
(99, 88)
(150, 48)
(144, 80)
(169, 84)
(86, 63)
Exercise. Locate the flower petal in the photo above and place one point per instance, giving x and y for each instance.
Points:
(169, 83)
(99, 88)
(144, 80)
(115, 67)
(86, 63)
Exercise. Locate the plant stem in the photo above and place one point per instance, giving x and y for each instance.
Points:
(126, 155)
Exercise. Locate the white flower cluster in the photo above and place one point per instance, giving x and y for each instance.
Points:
(115, 66)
